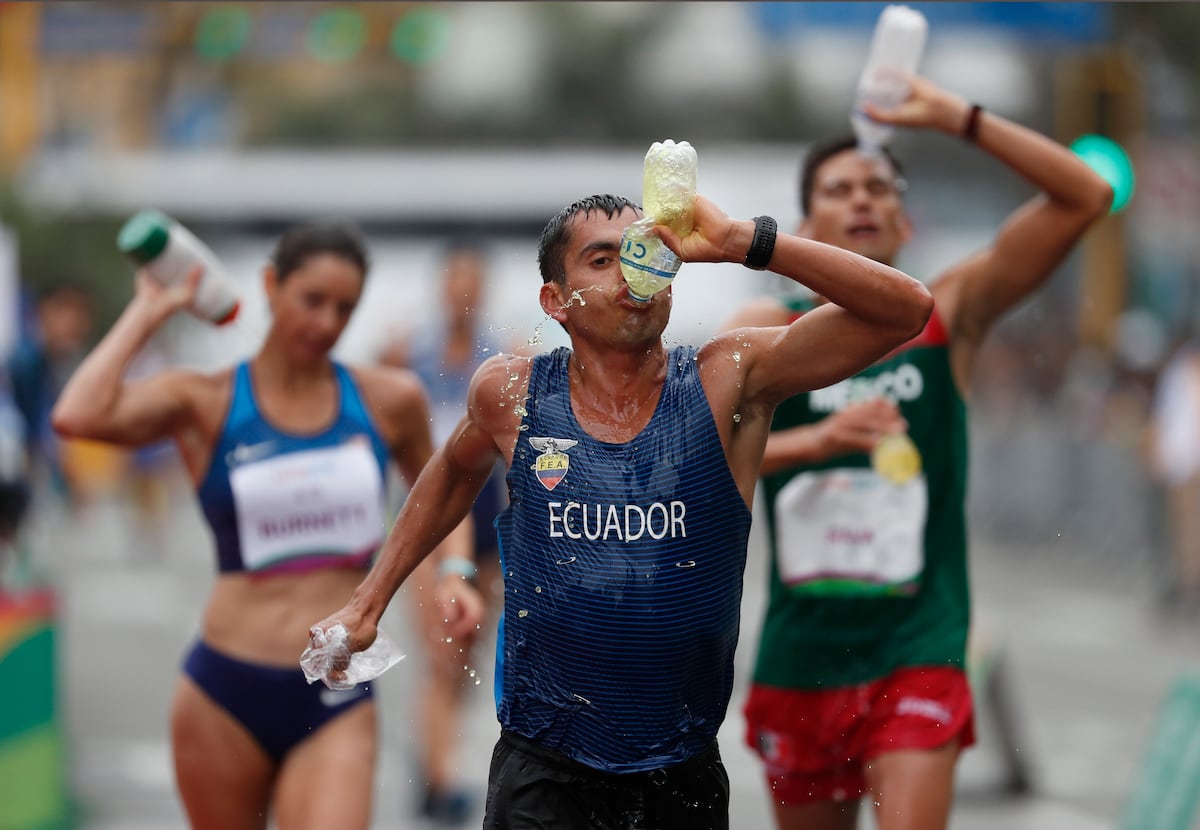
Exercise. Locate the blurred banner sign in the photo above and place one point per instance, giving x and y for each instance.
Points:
(33, 781)
(1055, 22)
(84, 28)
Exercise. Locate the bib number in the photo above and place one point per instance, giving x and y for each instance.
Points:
(851, 532)
(323, 503)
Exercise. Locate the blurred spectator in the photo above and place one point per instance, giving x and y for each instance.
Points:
(1174, 450)
(41, 364)
(151, 470)
(14, 475)
(445, 354)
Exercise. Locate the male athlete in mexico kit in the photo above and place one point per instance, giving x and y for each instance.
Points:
(630, 471)
(859, 682)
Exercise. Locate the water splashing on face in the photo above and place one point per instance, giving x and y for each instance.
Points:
(577, 296)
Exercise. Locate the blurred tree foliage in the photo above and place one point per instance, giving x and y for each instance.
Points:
(69, 249)
(579, 103)
(1172, 27)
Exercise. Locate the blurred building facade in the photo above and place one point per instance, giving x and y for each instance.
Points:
(403, 113)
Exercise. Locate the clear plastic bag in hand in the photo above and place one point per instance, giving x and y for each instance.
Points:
(331, 649)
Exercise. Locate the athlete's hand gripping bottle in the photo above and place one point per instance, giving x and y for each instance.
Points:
(168, 252)
(896, 49)
(668, 198)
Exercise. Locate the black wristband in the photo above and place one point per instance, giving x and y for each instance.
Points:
(763, 244)
(971, 128)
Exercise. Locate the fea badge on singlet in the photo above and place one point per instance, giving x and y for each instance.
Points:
(318, 503)
(551, 466)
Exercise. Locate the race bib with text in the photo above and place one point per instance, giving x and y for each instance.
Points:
(851, 532)
(320, 503)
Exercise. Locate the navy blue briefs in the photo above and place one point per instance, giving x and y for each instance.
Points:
(277, 706)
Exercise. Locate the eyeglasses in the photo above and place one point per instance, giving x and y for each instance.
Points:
(876, 187)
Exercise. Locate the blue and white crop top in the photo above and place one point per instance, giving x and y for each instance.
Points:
(280, 502)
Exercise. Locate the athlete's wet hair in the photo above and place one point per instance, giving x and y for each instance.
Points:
(553, 243)
(818, 154)
(301, 243)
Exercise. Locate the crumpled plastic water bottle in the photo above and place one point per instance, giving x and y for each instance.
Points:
(896, 49)
(331, 648)
(668, 198)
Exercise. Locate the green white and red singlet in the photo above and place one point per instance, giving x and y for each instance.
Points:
(867, 576)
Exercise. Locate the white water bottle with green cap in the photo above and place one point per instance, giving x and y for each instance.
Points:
(896, 49)
(168, 252)
(668, 198)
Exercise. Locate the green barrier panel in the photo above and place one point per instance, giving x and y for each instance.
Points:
(33, 791)
(1167, 790)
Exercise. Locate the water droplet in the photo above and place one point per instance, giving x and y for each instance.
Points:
(737, 417)
(567, 561)
(536, 339)
(523, 613)
(737, 357)
(538, 589)
(690, 563)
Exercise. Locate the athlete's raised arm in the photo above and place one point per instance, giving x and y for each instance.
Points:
(872, 308)
(98, 403)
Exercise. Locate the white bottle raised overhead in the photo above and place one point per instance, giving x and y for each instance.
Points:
(168, 252)
(668, 198)
(896, 49)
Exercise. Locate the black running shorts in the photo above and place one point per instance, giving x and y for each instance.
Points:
(534, 788)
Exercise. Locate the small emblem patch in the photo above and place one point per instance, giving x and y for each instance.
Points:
(551, 466)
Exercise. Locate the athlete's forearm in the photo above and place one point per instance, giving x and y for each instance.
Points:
(91, 396)
(874, 292)
(456, 551)
(1060, 174)
(792, 447)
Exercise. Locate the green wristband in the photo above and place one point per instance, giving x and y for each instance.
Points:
(458, 567)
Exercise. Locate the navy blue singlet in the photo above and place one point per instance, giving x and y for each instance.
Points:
(282, 502)
(623, 572)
